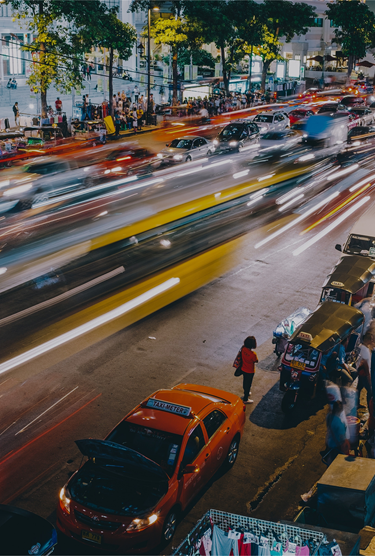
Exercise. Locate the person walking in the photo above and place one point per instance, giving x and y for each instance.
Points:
(16, 113)
(117, 123)
(364, 366)
(139, 117)
(248, 359)
(336, 437)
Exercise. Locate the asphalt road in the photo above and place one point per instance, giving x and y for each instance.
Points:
(84, 388)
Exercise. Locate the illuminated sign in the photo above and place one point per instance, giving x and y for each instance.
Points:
(169, 407)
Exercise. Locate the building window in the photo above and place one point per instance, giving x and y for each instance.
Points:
(318, 22)
(331, 24)
(13, 54)
(112, 3)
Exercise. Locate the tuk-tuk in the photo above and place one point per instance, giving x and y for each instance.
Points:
(350, 281)
(323, 330)
(10, 142)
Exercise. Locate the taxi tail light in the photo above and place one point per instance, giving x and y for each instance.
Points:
(65, 500)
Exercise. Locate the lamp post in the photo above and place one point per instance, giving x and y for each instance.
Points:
(155, 9)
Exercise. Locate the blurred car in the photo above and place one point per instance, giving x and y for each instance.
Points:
(124, 160)
(271, 121)
(361, 133)
(352, 100)
(363, 87)
(24, 532)
(300, 114)
(299, 127)
(234, 136)
(185, 149)
(127, 496)
(42, 179)
(364, 115)
(310, 93)
(331, 108)
(279, 138)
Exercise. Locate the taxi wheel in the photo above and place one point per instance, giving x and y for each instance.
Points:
(170, 525)
(233, 452)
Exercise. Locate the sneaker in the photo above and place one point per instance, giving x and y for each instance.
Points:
(248, 401)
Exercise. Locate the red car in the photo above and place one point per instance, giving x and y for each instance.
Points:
(124, 161)
(127, 496)
(300, 114)
(310, 93)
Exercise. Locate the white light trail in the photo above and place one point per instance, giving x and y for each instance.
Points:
(88, 327)
(241, 174)
(297, 220)
(202, 168)
(291, 202)
(363, 182)
(331, 227)
(343, 172)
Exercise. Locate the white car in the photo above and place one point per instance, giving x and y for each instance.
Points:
(287, 137)
(271, 121)
(185, 149)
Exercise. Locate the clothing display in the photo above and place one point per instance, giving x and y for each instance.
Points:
(223, 534)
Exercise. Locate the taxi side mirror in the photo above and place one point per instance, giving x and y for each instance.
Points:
(190, 468)
(167, 144)
(338, 247)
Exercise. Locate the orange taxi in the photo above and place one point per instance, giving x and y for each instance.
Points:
(128, 494)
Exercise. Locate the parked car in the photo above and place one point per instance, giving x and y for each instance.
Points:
(279, 138)
(24, 532)
(364, 114)
(271, 121)
(236, 135)
(186, 149)
(127, 496)
(300, 114)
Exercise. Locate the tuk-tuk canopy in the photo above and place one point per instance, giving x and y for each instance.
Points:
(11, 135)
(351, 273)
(328, 325)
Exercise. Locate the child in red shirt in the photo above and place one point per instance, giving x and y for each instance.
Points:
(249, 358)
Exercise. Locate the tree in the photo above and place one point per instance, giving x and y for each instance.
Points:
(58, 47)
(200, 58)
(118, 37)
(355, 28)
(178, 33)
(281, 18)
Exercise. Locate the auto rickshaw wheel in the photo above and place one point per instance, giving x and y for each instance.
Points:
(288, 402)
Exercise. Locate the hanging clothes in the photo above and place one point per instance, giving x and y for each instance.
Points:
(222, 545)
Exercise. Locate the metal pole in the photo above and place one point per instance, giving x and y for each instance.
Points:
(148, 65)
(250, 64)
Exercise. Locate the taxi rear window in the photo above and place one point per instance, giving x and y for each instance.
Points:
(305, 355)
(159, 446)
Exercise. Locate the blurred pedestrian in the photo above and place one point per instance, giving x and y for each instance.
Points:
(16, 113)
(117, 123)
(364, 366)
(135, 119)
(58, 105)
(248, 358)
(337, 432)
(139, 117)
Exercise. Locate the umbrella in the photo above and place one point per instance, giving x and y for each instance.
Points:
(317, 59)
(330, 58)
(365, 64)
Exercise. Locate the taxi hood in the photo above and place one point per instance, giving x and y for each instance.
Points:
(133, 463)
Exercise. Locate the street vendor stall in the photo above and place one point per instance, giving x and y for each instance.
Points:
(220, 534)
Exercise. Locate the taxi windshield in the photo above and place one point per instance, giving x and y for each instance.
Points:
(335, 294)
(360, 245)
(159, 446)
(305, 355)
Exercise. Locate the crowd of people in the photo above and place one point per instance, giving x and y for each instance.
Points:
(131, 114)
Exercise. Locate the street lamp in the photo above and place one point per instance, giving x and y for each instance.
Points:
(155, 9)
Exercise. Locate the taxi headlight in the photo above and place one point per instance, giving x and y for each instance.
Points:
(215, 142)
(233, 143)
(177, 157)
(159, 155)
(17, 190)
(138, 523)
(65, 500)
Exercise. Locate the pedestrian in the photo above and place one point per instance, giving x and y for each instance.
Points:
(364, 366)
(248, 358)
(9, 84)
(117, 123)
(139, 117)
(135, 119)
(114, 102)
(58, 105)
(16, 113)
(337, 433)
(136, 93)
(14, 83)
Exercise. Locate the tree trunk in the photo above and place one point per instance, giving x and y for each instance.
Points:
(225, 75)
(174, 77)
(351, 60)
(110, 77)
(43, 84)
(266, 65)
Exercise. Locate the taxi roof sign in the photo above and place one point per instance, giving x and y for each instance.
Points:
(338, 284)
(305, 336)
(181, 410)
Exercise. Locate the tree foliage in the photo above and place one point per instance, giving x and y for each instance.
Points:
(355, 28)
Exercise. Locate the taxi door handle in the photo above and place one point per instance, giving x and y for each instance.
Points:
(228, 429)
(207, 456)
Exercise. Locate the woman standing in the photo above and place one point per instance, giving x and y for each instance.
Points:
(249, 358)
(135, 119)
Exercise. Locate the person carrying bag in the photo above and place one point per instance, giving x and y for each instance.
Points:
(245, 365)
